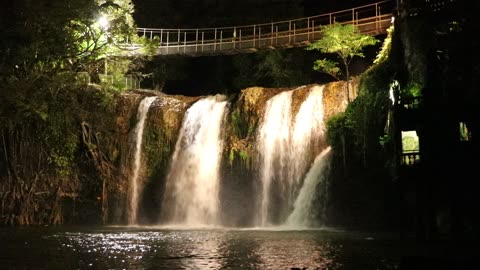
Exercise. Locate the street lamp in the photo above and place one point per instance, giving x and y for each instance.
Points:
(104, 24)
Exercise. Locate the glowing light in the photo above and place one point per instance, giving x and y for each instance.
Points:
(103, 22)
(393, 86)
(393, 19)
(410, 141)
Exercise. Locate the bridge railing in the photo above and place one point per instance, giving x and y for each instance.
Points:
(370, 19)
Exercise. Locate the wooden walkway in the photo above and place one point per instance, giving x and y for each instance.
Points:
(370, 19)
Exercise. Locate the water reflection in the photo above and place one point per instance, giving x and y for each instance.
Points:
(189, 250)
(160, 248)
(123, 250)
(292, 250)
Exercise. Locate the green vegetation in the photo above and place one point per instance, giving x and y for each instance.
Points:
(157, 149)
(364, 144)
(362, 130)
(386, 46)
(273, 68)
(240, 125)
(241, 130)
(51, 121)
(344, 41)
(169, 67)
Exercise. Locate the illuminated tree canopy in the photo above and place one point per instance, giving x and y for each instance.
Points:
(344, 41)
(53, 35)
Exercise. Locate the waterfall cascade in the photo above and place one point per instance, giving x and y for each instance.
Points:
(273, 144)
(301, 215)
(286, 148)
(135, 184)
(286, 183)
(191, 195)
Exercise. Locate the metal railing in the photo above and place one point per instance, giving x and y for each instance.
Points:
(122, 82)
(410, 158)
(370, 19)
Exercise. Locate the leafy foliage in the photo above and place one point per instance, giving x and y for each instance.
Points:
(275, 68)
(362, 125)
(386, 46)
(344, 41)
(55, 35)
(169, 67)
(329, 67)
(43, 44)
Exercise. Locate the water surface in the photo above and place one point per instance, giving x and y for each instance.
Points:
(168, 248)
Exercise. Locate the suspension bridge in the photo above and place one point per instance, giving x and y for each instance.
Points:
(372, 19)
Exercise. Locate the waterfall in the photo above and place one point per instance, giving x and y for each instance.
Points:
(286, 147)
(135, 185)
(273, 144)
(303, 206)
(191, 196)
(308, 133)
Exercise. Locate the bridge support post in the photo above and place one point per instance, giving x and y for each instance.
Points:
(178, 41)
(168, 37)
(253, 36)
(294, 33)
(271, 36)
(308, 28)
(221, 39)
(313, 30)
(259, 36)
(215, 41)
(234, 36)
(196, 40)
(184, 42)
(289, 32)
(377, 16)
(276, 35)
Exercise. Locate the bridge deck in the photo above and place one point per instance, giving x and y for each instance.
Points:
(371, 19)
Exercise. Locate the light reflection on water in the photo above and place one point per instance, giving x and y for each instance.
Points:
(161, 248)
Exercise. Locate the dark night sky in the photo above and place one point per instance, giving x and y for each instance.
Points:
(204, 13)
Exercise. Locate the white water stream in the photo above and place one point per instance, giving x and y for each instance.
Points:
(191, 195)
(135, 185)
(286, 148)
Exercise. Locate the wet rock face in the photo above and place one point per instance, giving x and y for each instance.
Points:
(126, 107)
(335, 98)
(246, 110)
(166, 112)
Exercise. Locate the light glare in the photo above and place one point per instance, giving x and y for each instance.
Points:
(103, 22)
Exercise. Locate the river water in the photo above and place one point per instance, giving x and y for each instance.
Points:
(164, 248)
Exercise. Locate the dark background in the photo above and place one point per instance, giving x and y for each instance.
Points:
(202, 13)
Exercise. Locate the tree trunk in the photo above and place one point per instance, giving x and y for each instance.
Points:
(104, 168)
(347, 72)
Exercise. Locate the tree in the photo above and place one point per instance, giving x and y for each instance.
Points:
(43, 43)
(51, 36)
(270, 68)
(346, 42)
